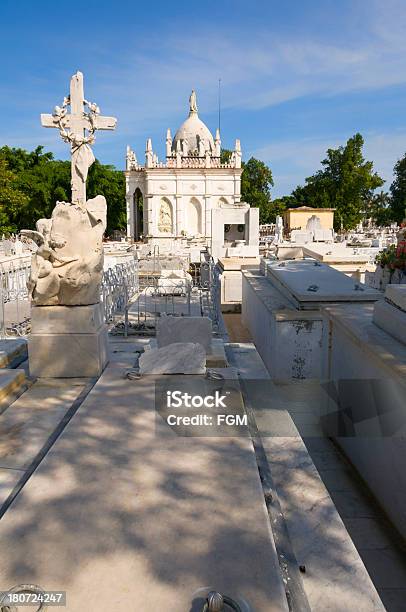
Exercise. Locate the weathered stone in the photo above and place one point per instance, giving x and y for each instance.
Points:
(176, 358)
(12, 352)
(10, 382)
(391, 319)
(397, 295)
(67, 341)
(66, 319)
(184, 329)
(68, 355)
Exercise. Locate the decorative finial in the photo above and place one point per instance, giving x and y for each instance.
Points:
(192, 102)
(168, 143)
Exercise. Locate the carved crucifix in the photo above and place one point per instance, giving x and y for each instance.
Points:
(77, 129)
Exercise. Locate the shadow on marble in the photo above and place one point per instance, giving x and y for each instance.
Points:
(30, 420)
(8, 480)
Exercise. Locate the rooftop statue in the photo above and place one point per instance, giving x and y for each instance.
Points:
(193, 102)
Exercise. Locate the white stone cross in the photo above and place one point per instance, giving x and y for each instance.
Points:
(77, 129)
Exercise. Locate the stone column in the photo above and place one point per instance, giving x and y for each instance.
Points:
(130, 220)
(207, 207)
(207, 215)
(180, 214)
(237, 188)
(152, 203)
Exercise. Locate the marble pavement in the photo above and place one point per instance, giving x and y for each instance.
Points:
(125, 516)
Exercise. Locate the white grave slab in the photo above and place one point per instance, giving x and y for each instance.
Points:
(300, 237)
(323, 235)
(173, 282)
(307, 283)
(176, 358)
(184, 329)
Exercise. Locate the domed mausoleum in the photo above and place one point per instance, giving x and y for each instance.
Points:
(179, 197)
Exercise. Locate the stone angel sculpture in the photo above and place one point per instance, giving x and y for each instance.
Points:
(44, 281)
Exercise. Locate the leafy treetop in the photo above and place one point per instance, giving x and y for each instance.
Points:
(37, 181)
(346, 183)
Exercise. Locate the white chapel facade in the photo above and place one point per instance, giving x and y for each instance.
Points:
(179, 195)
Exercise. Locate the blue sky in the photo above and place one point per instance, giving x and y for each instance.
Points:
(297, 77)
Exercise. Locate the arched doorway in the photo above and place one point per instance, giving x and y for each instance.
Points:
(194, 217)
(138, 213)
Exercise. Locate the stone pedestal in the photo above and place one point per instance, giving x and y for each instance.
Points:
(67, 341)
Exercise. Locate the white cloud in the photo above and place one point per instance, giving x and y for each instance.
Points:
(146, 84)
(261, 68)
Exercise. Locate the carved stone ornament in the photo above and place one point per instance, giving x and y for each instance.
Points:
(165, 218)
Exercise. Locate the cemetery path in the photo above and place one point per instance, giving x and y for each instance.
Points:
(122, 515)
(125, 515)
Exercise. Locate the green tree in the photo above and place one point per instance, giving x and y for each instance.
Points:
(346, 182)
(256, 183)
(41, 178)
(44, 181)
(279, 205)
(11, 199)
(379, 209)
(398, 191)
(106, 180)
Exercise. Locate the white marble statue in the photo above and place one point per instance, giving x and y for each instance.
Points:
(278, 230)
(193, 102)
(67, 266)
(72, 127)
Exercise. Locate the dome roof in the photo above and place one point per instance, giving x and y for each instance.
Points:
(194, 132)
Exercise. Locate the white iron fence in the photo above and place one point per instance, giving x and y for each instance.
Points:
(131, 301)
(119, 287)
(14, 302)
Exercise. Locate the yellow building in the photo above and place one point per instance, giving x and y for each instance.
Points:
(298, 218)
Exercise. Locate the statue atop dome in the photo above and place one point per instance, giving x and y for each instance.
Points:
(193, 102)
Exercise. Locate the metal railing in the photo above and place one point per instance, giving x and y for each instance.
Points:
(129, 299)
(14, 301)
(173, 293)
(119, 286)
(209, 284)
